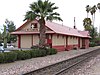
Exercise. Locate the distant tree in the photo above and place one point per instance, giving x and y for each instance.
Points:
(10, 27)
(93, 11)
(88, 8)
(1, 38)
(5, 37)
(43, 10)
(98, 6)
(87, 23)
(93, 34)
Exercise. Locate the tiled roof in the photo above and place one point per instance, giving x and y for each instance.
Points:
(61, 29)
(56, 28)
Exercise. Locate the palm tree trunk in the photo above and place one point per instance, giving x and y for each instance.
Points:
(87, 14)
(92, 20)
(42, 32)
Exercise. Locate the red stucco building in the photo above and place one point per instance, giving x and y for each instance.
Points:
(57, 36)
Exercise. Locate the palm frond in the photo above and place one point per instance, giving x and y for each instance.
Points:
(30, 15)
(53, 18)
(43, 9)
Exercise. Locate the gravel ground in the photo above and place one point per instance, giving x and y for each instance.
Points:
(20, 67)
(90, 68)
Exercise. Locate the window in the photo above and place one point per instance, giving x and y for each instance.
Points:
(33, 25)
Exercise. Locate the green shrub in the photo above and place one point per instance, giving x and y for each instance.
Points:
(19, 55)
(27, 54)
(34, 53)
(51, 51)
(92, 44)
(35, 47)
(1, 57)
(42, 52)
(22, 55)
(38, 53)
(10, 57)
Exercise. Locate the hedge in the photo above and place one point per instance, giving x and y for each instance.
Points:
(1, 57)
(22, 55)
(8, 57)
(51, 51)
(12, 56)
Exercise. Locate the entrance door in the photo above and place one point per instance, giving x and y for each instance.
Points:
(49, 40)
(83, 43)
(78, 42)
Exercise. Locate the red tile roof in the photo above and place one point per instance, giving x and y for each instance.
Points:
(61, 29)
(56, 28)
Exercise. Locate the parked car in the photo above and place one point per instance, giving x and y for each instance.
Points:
(9, 46)
(1, 48)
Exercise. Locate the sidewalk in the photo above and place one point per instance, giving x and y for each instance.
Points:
(20, 67)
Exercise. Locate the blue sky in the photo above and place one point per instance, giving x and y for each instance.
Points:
(15, 10)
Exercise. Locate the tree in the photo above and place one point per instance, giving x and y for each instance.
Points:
(98, 6)
(1, 38)
(92, 11)
(43, 10)
(87, 24)
(5, 37)
(10, 27)
(88, 8)
(93, 33)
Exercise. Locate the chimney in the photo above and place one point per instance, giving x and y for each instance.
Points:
(74, 23)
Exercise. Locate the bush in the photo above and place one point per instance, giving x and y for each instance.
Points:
(35, 47)
(22, 55)
(9, 57)
(27, 54)
(1, 57)
(51, 51)
(92, 44)
(42, 52)
(38, 53)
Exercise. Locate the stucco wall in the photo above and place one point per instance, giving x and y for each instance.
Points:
(80, 42)
(72, 40)
(58, 40)
(35, 39)
(27, 27)
(26, 41)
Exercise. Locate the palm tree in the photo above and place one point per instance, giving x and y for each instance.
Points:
(88, 9)
(98, 6)
(87, 24)
(43, 10)
(93, 10)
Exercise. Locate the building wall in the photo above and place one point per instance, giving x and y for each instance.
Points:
(59, 42)
(72, 42)
(86, 43)
(80, 42)
(26, 41)
(35, 39)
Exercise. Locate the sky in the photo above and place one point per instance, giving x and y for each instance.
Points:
(15, 10)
